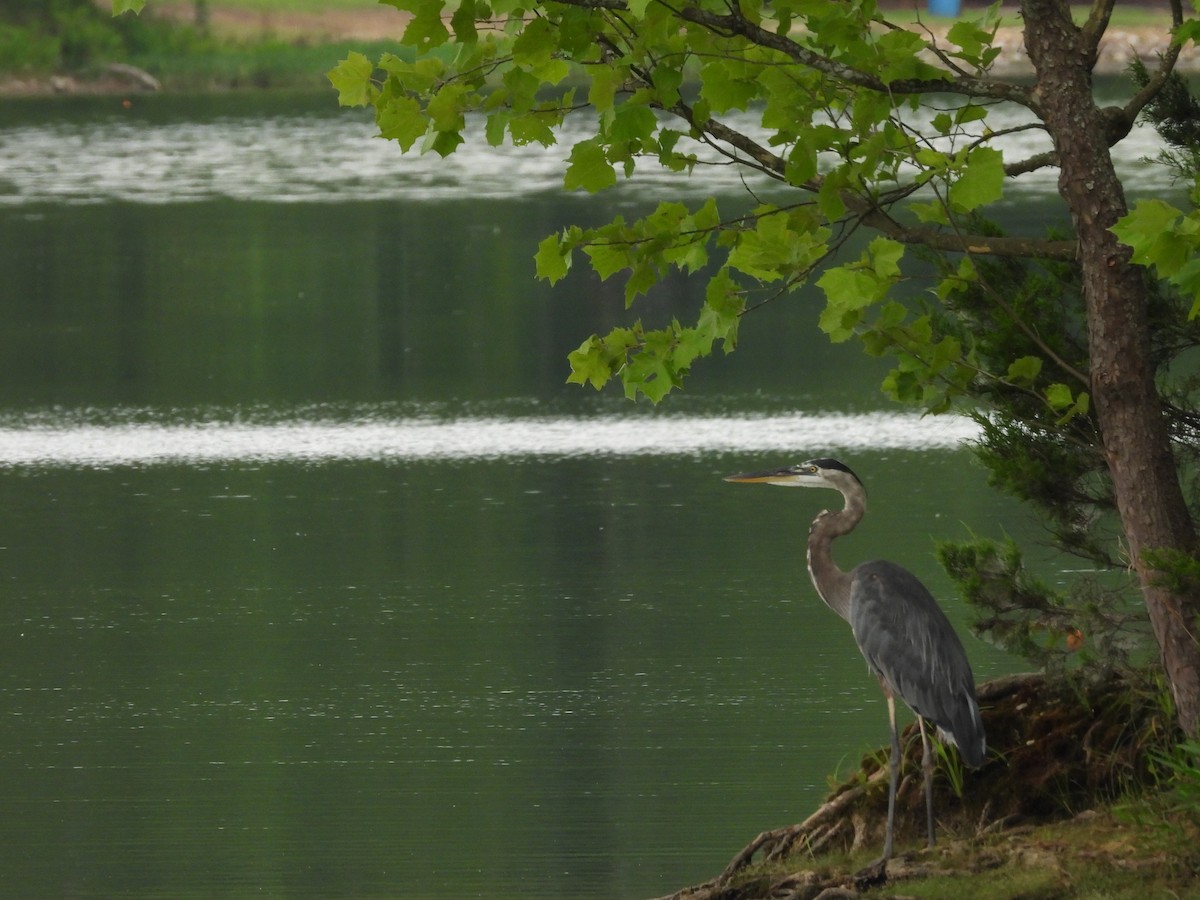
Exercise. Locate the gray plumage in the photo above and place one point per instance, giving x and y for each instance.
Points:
(906, 639)
(911, 645)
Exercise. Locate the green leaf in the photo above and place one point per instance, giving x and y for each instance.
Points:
(1187, 279)
(952, 284)
(891, 315)
(981, 182)
(902, 53)
(932, 159)
(589, 169)
(885, 255)
(463, 22)
(553, 259)
(426, 30)
(443, 143)
(851, 288)
(947, 353)
(781, 245)
(643, 277)
(632, 122)
(801, 164)
(609, 257)
(1059, 397)
(606, 80)
(970, 113)
(829, 198)
(933, 212)
(419, 77)
(667, 81)
(352, 79)
(553, 71)
(497, 124)
(722, 311)
(1153, 230)
(848, 291)
(535, 44)
(690, 255)
(121, 6)
(724, 89)
(707, 217)
(1188, 31)
(692, 344)
(974, 43)
(1147, 218)
(522, 89)
(447, 107)
(590, 364)
(598, 359)
(400, 119)
(651, 370)
(1024, 370)
(532, 128)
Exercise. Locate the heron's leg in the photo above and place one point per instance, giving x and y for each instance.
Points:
(893, 780)
(876, 872)
(927, 766)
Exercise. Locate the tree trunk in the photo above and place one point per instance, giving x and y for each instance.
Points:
(1127, 405)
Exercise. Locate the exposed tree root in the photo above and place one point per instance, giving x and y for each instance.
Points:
(1052, 749)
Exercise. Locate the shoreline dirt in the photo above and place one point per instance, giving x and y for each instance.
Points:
(379, 23)
(1035, 821)
(1118, 49)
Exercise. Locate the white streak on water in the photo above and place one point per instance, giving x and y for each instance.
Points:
(283, 159)
(313, 442)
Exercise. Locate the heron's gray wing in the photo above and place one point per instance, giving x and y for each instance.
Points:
(908, 641)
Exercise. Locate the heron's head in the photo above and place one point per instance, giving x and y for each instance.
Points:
(821, 473)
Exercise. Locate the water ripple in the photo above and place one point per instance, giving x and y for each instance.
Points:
(319, 158)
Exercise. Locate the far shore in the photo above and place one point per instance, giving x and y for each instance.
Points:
(1119, 48)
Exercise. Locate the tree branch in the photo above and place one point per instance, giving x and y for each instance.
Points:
(979, 244)
(736, 24)
(873, 216)
(1032, 164)
(1166, 66)
(867, 211)
(1095, 26)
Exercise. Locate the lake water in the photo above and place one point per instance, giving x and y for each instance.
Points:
(317, 579)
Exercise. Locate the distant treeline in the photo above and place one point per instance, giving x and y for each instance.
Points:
(70, 35)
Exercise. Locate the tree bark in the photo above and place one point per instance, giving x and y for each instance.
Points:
(1128, 409)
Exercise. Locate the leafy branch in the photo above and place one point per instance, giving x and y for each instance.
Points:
(834, 98)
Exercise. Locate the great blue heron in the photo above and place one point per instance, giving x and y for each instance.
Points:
(908, 643)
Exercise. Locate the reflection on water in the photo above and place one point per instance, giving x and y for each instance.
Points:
(57, 440)
(331, 156)
(266, 633)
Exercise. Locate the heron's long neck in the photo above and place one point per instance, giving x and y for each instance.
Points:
(831, 582)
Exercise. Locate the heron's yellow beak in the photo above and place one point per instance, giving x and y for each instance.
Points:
(785, 476)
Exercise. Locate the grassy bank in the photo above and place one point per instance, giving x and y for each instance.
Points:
(70, 45)
(1133, 851)
(267, 43)
(1098, 856)
(1085, 795)
(258, 64)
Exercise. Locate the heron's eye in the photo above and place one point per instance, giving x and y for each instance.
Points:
(812, 470)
